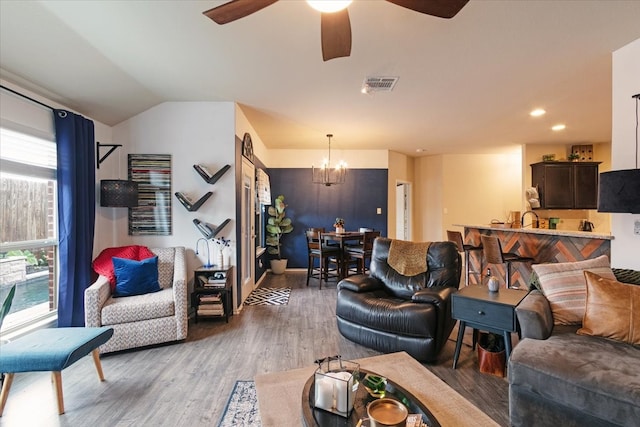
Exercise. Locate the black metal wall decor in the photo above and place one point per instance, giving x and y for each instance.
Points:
(152, 216)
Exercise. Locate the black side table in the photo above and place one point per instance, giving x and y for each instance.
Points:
(488, 311)
(212, 281)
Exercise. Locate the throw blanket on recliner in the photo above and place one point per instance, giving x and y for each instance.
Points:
(408, 258)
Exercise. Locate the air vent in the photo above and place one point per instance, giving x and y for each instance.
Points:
(379, 84)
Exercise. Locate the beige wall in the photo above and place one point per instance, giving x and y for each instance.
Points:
(428, 198)
(482, 187)
(464, 189)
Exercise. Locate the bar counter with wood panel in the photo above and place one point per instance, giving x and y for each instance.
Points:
(543, 245)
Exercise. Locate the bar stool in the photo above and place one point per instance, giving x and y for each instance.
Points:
(363, 253)
(494, 255)
(456, 237)
(326, 255)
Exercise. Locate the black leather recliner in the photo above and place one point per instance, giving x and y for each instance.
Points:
(390, 312)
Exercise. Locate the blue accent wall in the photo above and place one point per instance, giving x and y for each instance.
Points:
(314, 205)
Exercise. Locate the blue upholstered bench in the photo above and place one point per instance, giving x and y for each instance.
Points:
(50, 350)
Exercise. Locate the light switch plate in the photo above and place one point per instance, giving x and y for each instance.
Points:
(636, 228)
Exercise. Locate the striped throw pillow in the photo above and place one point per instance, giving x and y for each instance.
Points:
(565, 286)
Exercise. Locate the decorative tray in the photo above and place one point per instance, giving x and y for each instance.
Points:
(318, 417)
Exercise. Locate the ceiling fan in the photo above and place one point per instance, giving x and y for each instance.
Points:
(335, 27)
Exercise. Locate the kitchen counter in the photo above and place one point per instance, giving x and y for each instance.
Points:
(556, 232)
(541, 244)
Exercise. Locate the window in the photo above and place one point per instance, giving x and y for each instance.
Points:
(28, 227)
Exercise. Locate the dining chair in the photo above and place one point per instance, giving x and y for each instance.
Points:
(320, 257)
(493, 255)
(456, 237)
(363, 253)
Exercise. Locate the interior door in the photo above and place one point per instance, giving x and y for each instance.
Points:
(403, 211)
(248, 235)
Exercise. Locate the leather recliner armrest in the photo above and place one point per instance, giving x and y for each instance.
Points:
(435, 295)
(360, 283)
(535, 316)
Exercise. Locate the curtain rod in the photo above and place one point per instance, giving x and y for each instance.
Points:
(27, 97)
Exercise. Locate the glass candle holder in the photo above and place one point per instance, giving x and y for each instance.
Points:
(336, 384)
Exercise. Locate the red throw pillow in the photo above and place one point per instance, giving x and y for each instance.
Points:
(103, 264)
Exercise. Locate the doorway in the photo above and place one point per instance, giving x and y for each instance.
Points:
(403, 210)
(247, 234)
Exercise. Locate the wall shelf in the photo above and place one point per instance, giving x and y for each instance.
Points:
(209, 231)
(206, 174)
(190, 205)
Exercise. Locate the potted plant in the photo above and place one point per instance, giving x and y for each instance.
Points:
(339, 225)
(277, 225)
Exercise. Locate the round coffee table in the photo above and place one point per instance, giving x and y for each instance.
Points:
(313, 417)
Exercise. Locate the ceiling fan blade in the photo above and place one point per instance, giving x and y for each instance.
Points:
(236, 9)
(439, 8)
(335, 31)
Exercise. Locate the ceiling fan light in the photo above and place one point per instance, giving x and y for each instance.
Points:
(329, 6)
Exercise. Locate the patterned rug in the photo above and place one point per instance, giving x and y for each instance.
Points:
(268, 296)
(242, 407)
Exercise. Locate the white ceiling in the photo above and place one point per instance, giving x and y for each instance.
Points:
(465, 85)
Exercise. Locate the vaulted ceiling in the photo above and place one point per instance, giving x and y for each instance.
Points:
(466, 84)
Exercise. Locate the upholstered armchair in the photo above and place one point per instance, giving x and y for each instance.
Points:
(147, 319)
(404, 303)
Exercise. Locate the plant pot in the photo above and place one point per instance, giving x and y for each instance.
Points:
(278, 266)
(490, 362)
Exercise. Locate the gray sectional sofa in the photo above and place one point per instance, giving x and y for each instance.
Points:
(560, 378)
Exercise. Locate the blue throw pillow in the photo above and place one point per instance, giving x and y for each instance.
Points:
(135, 277)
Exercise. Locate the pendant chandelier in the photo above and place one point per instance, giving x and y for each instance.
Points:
(327, 175)
(619, 190)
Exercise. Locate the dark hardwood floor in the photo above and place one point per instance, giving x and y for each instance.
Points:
(188, 383)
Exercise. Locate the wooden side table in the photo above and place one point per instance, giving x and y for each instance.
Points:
(493, 312)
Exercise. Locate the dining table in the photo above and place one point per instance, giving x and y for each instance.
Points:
(341, 239)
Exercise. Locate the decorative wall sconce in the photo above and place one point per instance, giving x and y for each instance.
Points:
(115, 193)
(118, 193)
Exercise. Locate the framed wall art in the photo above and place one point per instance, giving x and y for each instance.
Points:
(247, 147)
(152, 216)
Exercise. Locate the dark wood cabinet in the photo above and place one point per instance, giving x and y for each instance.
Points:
(566, 185)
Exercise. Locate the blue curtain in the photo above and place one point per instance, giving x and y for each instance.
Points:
(76, 212)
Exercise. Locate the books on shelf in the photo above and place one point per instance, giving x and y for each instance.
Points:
(210, 305)
(210, 298)
(211, 311)
(211, 283)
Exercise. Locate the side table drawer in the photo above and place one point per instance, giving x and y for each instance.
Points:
(484, 313)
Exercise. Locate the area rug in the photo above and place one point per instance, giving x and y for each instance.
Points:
(242, 407)
(279, 393)
(268, 296)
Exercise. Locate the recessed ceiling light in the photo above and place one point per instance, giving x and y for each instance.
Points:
(558, 127)
(420, 150)
(537, 112)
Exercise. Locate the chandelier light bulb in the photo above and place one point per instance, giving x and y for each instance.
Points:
(326, 175)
